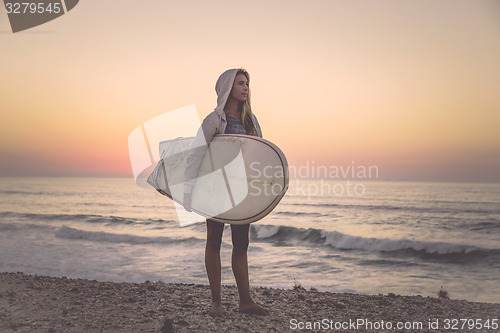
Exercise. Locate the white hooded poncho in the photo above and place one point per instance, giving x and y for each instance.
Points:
(215, 123)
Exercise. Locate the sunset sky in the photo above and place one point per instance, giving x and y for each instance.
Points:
(412, 87)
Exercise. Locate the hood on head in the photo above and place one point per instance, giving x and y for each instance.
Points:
(223, 89)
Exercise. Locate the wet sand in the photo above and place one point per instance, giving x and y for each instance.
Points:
(30, 303)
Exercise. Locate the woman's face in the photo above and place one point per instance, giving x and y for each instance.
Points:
(239, 91)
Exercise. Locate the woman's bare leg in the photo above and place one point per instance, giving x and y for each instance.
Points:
(212, 264)
(239, 260)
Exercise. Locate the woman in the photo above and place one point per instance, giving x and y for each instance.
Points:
(233, 115)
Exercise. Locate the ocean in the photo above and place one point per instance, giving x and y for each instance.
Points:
(408, 238)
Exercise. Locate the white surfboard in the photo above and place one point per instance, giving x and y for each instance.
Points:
(241, 179)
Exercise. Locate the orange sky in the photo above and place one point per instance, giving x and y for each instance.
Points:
(409, 86)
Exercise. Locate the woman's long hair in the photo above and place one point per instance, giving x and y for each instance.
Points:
(245, 110)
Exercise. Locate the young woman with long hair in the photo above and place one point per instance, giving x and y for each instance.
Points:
(233, 115)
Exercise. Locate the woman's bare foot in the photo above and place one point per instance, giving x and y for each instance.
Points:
(216, 310)
(253, 308)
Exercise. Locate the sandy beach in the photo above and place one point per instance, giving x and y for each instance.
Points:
(31, 303)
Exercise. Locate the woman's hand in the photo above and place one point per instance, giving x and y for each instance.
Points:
(187, 202)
